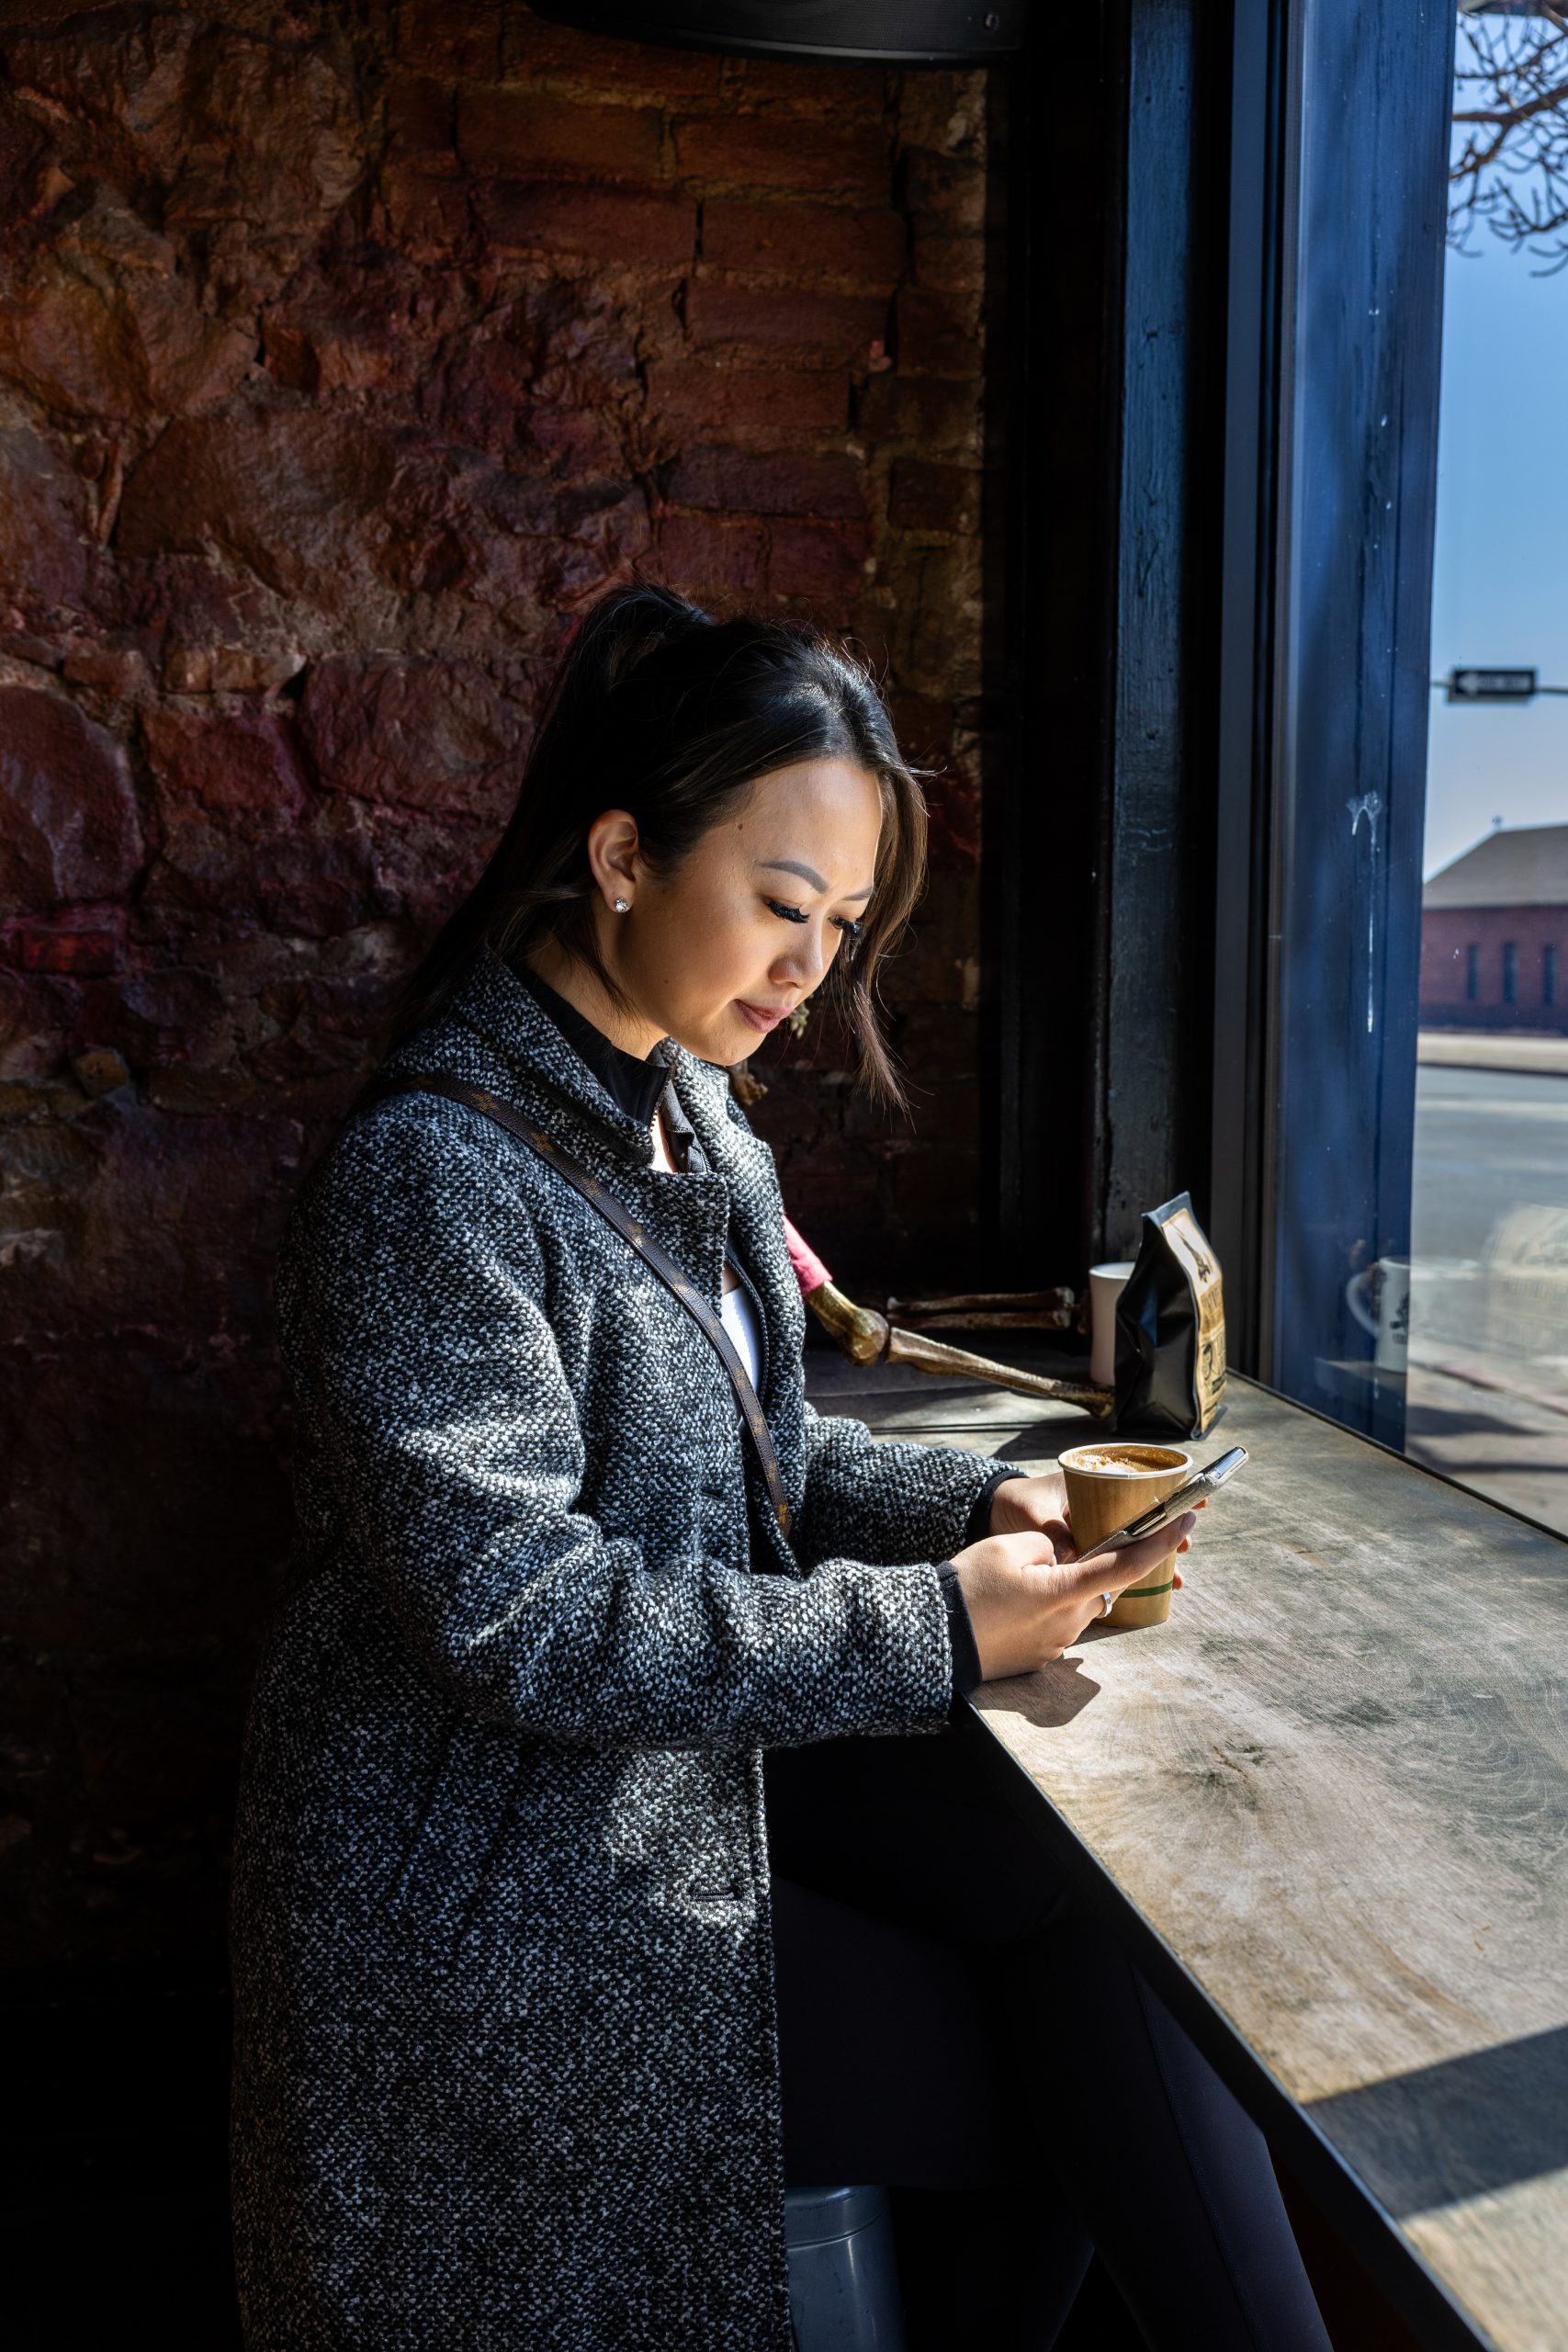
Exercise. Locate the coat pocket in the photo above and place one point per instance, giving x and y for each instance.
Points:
(466, 1810)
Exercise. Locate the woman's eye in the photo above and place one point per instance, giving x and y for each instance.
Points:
(848, 925)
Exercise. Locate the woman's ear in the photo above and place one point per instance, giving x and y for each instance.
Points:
(615, 858)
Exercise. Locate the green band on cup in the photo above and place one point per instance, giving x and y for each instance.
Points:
(1145, 1591)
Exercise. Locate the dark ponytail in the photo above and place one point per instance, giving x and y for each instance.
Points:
(661, 711)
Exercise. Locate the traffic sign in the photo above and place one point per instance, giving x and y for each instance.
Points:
(1490, 685)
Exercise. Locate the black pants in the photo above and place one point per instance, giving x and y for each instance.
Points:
(952, 2023)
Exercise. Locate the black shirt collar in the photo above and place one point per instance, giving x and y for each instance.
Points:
(634, 1087)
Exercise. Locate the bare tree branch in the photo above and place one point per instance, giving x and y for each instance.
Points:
(1508, 170)
(1510, 116)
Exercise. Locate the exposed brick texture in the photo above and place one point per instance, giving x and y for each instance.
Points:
(938, 334)
(770, 401)
(542, 56)
(931, 498)
(345, 354)
(717, 151)
(705, 552)
(456, 38)
(537, 137)
(736, 481)
(811, 561)
(535, 216)
(824, 330)
(859, 248)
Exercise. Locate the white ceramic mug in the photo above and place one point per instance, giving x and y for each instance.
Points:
(1379, 1298)
(1105, 1284)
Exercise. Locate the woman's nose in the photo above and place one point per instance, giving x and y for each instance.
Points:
(806, 960)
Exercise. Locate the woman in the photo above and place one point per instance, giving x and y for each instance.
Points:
(506, 1938)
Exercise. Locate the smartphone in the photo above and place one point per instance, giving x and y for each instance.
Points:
(1204, 1483)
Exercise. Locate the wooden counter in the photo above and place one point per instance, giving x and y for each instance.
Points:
(1330, 1801)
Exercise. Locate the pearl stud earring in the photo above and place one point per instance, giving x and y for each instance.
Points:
(622, 906)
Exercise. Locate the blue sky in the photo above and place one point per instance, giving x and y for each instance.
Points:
(1501, 589)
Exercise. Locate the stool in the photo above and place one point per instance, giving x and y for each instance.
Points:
(843, 2280)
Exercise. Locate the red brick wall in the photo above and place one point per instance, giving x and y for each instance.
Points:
(344, 352)
(1447, 932)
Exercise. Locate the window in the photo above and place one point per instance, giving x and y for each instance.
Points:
(1325, 687)
(1403, 1219)
(1487, 1382)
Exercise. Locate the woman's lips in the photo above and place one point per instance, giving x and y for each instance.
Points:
(763, 1016)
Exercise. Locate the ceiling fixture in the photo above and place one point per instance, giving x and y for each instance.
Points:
(827, 32)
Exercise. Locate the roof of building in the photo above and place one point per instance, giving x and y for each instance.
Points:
(1518, 866)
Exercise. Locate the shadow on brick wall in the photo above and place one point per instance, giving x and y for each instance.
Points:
(345, 354)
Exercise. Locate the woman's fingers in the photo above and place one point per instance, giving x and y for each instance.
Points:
(1114, 1571)
(1027, 1604)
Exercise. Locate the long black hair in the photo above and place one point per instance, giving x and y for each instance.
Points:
(671, 716)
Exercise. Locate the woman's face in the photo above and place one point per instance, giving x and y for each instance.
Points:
(716, 954)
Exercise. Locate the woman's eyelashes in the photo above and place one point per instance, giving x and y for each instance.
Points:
(851, 928)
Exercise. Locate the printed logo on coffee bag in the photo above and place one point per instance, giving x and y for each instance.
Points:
(1186, 1237)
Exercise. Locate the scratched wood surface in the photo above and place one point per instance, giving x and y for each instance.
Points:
(1335, 1784)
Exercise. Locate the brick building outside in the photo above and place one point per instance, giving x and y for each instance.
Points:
(1494, 934)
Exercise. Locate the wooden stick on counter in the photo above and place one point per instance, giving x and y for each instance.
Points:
(868, 1338)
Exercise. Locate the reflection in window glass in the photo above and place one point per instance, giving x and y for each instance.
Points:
(1488, 1309)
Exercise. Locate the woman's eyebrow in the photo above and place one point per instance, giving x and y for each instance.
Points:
(807, 873)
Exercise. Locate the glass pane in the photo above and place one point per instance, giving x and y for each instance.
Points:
(1488, 1275)
(1349, 697)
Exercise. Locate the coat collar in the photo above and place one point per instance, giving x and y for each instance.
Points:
(635, 1086)
(496, 1034)
(495, 1009)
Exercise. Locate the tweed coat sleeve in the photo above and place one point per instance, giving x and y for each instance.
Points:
(871, 1500)
(886, 1502)
(434, 1403)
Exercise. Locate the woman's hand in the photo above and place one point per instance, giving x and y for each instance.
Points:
(1020, 1504)
(1026, 1605)
(1040, 1504)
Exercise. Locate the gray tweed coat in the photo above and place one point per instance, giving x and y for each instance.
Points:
(505, 2061)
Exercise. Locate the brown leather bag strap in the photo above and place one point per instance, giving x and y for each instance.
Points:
(658, 1261)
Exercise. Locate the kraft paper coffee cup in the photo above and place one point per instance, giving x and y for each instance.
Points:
(1111, 1484)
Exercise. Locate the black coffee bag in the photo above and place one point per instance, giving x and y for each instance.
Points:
(1170, 1329)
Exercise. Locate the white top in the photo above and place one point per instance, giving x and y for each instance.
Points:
(741, 1322)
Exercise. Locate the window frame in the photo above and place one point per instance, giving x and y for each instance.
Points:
(1335, 342)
